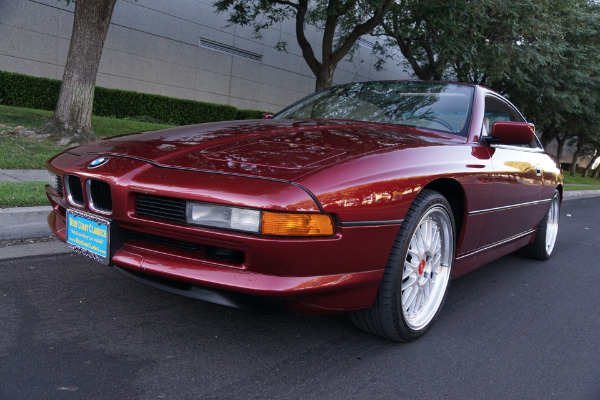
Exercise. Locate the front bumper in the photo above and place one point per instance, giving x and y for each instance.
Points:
(310, 276)
(337, 273)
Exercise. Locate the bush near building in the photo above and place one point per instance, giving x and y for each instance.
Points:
(42, 93)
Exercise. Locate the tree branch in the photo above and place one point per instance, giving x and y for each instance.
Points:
(360, 30)
(307, 51)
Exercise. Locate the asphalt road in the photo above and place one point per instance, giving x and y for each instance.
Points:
(515, 329)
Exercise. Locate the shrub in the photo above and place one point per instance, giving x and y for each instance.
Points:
(249, 114)
(126, 104)
(42, 93)
(28, 91)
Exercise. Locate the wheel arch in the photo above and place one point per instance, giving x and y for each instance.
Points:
(453, 191)
(560, 191)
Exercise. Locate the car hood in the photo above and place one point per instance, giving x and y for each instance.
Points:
(276, 149)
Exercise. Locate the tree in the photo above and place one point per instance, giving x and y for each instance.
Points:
(543, 55)
(72, 120)
(595, 157)
(467, 40)
(425, 32)
(561, 93)
(596, 172)
(341, 22)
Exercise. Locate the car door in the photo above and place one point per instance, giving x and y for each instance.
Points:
(515, 206)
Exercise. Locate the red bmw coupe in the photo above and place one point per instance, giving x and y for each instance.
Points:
(364, 198)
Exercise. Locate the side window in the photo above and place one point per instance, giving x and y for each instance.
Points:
(497, 110)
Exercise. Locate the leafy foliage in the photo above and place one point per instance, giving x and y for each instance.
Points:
(26, 91)
(561, 94)
(341, 23)
(543, 55)
(249, 114)
(41, 93)
(121, 104)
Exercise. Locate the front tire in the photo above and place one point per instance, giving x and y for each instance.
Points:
(417, 274)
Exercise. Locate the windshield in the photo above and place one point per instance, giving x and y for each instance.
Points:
(438, 106)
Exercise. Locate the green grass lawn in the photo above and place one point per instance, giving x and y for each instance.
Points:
(580, 183)
(579, 180)
(23, 194)
(582, 187)
(21, 152)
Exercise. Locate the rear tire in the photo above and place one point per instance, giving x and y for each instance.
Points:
(417, 274)
(545, 239)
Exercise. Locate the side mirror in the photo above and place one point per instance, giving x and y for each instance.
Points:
(510, 132)
(267, 116)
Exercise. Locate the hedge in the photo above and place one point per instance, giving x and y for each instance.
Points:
(42, 93)
(249, 114)
(125, 104)
(27, 91)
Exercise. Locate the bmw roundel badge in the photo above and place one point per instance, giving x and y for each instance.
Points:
(98, 162)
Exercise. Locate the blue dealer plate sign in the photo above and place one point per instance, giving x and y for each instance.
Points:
(89, 235)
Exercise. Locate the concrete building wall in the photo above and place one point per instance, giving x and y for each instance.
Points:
(162, 47)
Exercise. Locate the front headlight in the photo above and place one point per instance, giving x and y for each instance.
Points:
(218, 216)
(54, 180)
(256, 221)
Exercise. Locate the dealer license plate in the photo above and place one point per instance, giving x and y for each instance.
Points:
(89, 235)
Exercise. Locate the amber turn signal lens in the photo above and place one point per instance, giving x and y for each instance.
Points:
(282, 224)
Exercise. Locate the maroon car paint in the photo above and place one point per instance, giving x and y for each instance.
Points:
(364, 174)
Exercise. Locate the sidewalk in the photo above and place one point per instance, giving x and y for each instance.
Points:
(23, 175)
(30, 222)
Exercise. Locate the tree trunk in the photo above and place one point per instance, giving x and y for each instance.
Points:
(72, 120)
(325, 77)
(596, 172)
(573, 168)
(588, 168)
(561, 145)
(324, 69)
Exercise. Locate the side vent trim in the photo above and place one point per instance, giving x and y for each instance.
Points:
(231, 50)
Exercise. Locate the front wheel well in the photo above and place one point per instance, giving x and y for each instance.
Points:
(560, 191)
(454, 193)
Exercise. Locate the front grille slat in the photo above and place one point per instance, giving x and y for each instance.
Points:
(174, 210)
(74, 190)
(160, 207)
(99, 195)
(160, 215)
(202, 251)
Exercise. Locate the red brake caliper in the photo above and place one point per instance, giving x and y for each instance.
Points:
(421, 267)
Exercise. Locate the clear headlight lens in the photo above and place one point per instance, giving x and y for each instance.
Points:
(218, 216)
(52, 180)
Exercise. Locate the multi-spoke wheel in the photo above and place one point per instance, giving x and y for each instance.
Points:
(543, 245)
(417, 274)
(426, 268)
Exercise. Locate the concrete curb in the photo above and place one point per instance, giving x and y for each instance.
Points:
(33, 249)
(579, 194)
(24, 222)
